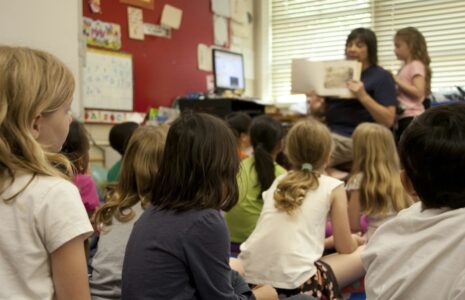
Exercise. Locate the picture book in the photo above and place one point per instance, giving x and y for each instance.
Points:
(326, 78)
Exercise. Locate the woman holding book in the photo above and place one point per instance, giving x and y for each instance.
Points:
(374, 97)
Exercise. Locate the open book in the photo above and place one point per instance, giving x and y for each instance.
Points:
(326, 78)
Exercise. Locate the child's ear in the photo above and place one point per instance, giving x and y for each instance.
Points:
(35, 127)
(407, 183)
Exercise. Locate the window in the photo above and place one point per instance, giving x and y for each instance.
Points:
(318, 30)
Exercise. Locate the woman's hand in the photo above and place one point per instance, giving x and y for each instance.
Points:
(357, 87)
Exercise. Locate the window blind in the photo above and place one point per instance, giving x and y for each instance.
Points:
(441, 23)
(310, 29)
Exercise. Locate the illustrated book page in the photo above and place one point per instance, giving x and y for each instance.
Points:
(326, 78)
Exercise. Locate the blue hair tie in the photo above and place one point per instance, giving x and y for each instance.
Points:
(307, 167)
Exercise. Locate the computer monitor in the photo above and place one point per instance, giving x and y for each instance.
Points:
(228, 70)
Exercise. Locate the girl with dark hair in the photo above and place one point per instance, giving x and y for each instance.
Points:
(179, 247)
(76, 149)
(255, 176)
(374, 97)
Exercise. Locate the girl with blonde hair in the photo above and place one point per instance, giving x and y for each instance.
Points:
(44, 223)
(414, 78)
(374, 186)
(285, 249)
(124, 204)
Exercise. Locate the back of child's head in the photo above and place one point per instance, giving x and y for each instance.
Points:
(199, 165)
(33, 84)
(266, 135)
(432, 153)
(375, 156)
(416, 43)
(77, 146)
(120, 135)
(239, 122)
(308, 148)
(139, 166)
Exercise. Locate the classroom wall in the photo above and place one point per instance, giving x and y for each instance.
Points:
(49, 25)
(163, 68)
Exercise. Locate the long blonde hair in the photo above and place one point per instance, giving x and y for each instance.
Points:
(140, 164)
(308, 143)
(417, 45)
(32, 83)
(375, 156)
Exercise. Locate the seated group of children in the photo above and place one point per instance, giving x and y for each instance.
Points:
(162, 234)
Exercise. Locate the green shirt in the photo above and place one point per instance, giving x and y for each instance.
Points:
(243, 217)
(113, 173)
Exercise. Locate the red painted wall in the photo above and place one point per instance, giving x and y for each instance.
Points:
(163, 68)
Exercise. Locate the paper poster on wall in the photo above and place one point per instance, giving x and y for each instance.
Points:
(102, 34)
(238, 11)
(108, 80)
(171, 16)
(135, 23)
(220, 30)
(157, 30)
(238, 29)
(204, 57)
(221, 8)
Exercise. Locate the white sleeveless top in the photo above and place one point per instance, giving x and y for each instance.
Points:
(282, 249)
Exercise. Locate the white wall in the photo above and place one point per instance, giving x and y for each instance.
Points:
(50, 25)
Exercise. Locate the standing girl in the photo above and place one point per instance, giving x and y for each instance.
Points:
(179, 247)
(44, 223)
(374, 186)
(285, 249)
(414, 78)
(124, 204)
(255, 176)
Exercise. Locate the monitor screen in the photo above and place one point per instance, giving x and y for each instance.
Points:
(228, 70)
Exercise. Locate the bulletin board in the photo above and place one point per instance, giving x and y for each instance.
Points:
(108, 80)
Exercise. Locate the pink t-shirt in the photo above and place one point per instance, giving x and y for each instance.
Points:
(88, 190)
(412, 106)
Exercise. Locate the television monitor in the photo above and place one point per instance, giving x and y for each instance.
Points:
(228, 71)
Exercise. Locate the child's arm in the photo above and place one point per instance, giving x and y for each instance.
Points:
(354, 211)
(415, 90)
(265, 292)
(343, 240)
(69, 271)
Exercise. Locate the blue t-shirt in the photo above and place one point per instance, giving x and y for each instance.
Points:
(180, 256)
(342, 116)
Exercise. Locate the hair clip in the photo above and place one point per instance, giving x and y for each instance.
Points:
(307, 167)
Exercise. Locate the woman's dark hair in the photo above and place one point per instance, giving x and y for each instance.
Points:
(239, 122)
(120, 135)
(265, 134)
(368, 37)
(432, 151)
(199, 165)
(76, 147)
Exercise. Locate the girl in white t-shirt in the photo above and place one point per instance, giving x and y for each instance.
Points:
(43, 220)
(414, 78)
(285, 249)
(374, 186)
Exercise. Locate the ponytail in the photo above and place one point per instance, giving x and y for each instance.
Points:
(266, 134)
(290, 192)
(264, 166)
